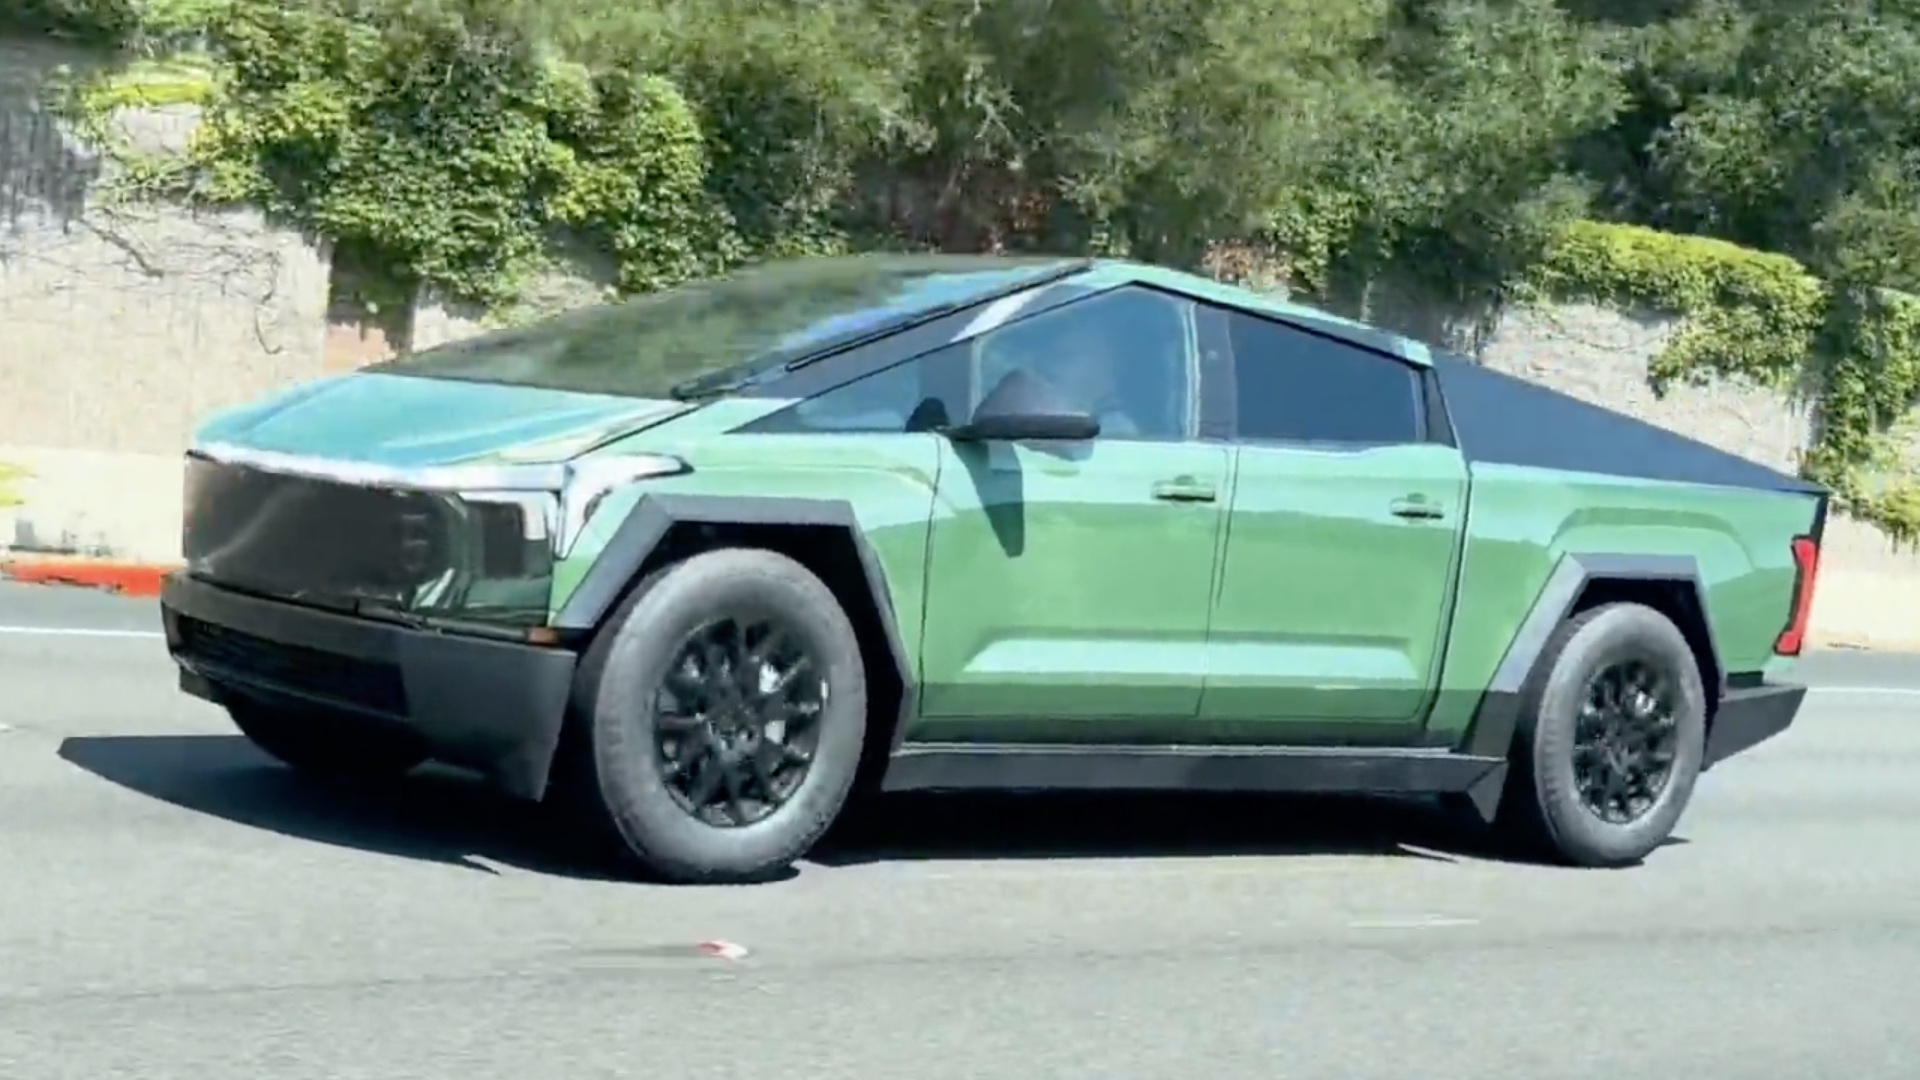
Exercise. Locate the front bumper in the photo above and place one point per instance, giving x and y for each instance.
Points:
(1749, 716)
(495, 706)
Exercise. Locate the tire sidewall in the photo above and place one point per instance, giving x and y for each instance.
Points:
(736, 583)
(1626, 632)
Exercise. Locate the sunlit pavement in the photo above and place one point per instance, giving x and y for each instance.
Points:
(173, 906)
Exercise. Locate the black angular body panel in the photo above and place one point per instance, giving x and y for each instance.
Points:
(1505, 420)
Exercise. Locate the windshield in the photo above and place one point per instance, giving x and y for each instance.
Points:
(707, 336)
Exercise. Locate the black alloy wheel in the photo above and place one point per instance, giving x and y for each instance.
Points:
(1625, 740)
(736, 720)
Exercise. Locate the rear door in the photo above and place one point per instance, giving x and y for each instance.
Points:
(1343, 536)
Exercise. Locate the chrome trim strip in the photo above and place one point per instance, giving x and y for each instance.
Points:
(593, 480)
(447, 478)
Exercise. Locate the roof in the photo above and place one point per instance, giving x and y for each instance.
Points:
(1107, 273)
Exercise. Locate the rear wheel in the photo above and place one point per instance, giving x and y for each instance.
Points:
(326, 743)
(1612, 732)
(721, 716)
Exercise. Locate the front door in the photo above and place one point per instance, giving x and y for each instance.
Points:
(1069, 585)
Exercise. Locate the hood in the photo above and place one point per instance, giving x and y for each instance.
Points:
(402, 421)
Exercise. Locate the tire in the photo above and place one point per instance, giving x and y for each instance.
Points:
(619, 772)
(1543, 810)
(326, 744)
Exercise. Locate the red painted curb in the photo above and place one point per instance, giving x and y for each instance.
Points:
(130, 579)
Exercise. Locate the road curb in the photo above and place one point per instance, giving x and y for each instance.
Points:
(111, 575)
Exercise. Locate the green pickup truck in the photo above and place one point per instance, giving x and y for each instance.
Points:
(702, 564)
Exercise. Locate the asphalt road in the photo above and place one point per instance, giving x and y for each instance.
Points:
(173, 906)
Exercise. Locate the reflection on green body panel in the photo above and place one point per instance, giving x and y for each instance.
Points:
(1523, 520)
(1060, 586)
(1332, 608)
(402, 422)
(1042, 591)
(888, 480)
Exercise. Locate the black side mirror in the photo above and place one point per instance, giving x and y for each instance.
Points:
(1024, 407)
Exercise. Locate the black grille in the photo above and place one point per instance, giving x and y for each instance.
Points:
(310, 539)
(364, 684)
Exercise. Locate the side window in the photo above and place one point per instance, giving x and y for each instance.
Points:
(882, 401)
(1121, 355)
(1296, 386)
(921, 394)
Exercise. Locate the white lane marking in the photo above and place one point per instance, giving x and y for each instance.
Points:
(1413, 922)
(1892, 691)
(78, 631)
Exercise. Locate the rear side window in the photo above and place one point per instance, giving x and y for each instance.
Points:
(1295, 386)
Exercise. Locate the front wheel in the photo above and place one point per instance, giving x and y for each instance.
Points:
(1612, 734)
(721, 717)
(327, 744)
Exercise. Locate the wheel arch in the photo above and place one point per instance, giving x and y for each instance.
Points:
(1669, 584)
(823, 535)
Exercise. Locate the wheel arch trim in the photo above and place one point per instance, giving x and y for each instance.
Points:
(1497, 717)
(650, 520)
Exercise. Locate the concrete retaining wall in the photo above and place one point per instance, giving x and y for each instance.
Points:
(125, 327)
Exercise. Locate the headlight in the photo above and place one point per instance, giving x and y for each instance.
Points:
(591, 481)
(461, 542)
(506, 541)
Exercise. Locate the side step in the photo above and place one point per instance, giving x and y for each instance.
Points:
(1248, 769)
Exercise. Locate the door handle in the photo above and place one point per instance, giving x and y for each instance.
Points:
(1416, 508)
(1184, 489)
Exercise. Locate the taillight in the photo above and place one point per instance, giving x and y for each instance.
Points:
(1806, 564)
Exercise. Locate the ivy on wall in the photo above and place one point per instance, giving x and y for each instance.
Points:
(445, 157)
(1748, 314)
(1853, 353)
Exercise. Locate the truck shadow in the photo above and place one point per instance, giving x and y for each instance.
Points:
(437, 816)
(446, 817)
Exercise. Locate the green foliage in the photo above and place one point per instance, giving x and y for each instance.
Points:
(1764, 318)
(439, 148)
(91, 103)
(135, 25)
(99, 21)
(10, 479)
(793, 100)
(1870, 384)
(1784, 126)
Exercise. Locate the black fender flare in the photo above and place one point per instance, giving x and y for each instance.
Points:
(654, 516)
(1491, 731)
